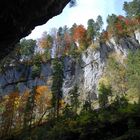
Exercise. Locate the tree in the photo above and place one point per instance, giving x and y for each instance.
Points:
(45, 41)
(29, 114)
(63, 41)
(133, 70)
(116, 73)
(132, 8)
(72, 29)
(98, 26)
(80, 36)
(27, 48)
(104, 92)
(99, 22)
(57, 82)
(9, 114)
(67, 42)
(111, 20)
(74, 98)
(91, 30)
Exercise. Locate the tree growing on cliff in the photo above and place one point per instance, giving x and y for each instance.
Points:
(133, 70)
(98, 25)
(79, 36)
(116, 73)
(104, 92)
(74, 98)
(94, 28)
(57, 82)
(132, 8)
(26, 48)
(29, 114)
(46, 43)
(90, 30)
(100, 22)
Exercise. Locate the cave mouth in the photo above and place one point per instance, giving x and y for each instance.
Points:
(18, 19)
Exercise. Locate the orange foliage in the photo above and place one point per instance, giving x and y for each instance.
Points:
(119, 26)
(67, 39)
(123, 26)
(44, 42)
(43, 95)
(104, 36)
(120, 17)
(42, 89)
(79, 33)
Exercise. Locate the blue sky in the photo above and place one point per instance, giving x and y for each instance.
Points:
(80, 14)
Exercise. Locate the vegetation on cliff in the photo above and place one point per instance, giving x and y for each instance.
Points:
(42, 113)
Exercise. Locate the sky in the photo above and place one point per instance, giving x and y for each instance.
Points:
(79, 14)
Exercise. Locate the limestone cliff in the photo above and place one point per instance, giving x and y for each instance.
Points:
(92, 65)
(85, 71)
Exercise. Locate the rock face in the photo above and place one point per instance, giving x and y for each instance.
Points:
(92, 64)
(19, 17)
(137, 34)
(84, 71)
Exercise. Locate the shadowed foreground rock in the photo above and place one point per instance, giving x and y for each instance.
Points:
(19, 17)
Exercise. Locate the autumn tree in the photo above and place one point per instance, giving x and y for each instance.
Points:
(8, 115)
(80, 36)
(104, 36)
(118, 26)
(64, 40)
(46, 43)
(67, 40)
(43, 98)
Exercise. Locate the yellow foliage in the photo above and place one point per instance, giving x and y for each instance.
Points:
(26, 93)
(94, 45)
(118, 57)
(104, 80)
(62, 103)
(48, 98)
(132, 95)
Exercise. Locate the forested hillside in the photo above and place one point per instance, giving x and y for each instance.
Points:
(75, 83)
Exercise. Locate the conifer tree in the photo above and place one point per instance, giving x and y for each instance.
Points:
(57, 82)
